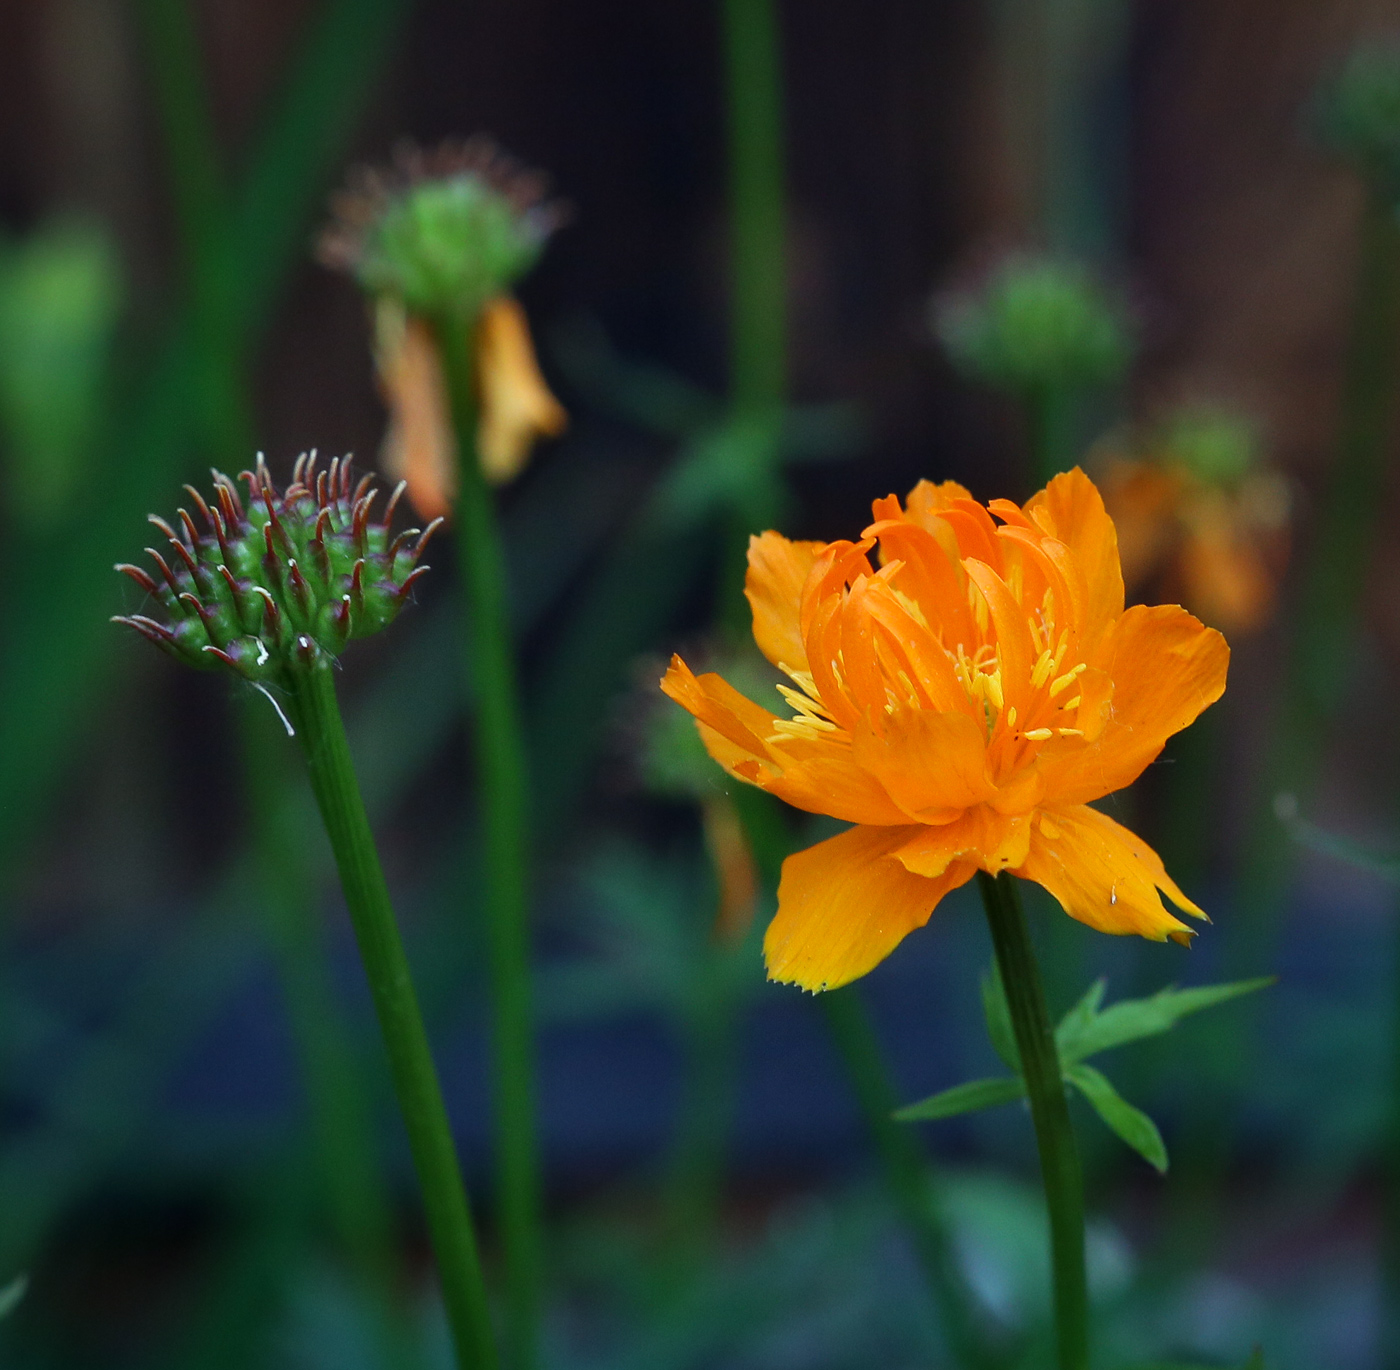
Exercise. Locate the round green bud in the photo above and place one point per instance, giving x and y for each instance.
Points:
(1033, 323)
(441, 231)
(1358, 113)
(281, 579)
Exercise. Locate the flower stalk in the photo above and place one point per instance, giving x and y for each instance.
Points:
(1054, 1135)
(326, 749)
(502, 786)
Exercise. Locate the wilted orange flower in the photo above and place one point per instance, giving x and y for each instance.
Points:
(1219, 544)
(961, 706)
(517, 407)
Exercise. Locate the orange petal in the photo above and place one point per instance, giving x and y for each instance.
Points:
(1104, 875)
(845, 904)
(927, 500)
(1166, 667)
(993, 841)
(1071, 509)
(926, 762)
(778, 569)
(419, 446)
(517, 408)
(1015, 652)
(718, 705)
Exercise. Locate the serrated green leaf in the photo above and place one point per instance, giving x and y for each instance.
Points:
(968, 1098)
(998, 1015)
(1130, 1019)
(11, 1294)
(1131, 1124)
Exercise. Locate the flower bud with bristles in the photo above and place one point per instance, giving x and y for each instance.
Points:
(289, 577)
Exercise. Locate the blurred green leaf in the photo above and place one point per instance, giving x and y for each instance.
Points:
(1131, 1124)
(11, 1294)
(968, 1098)
(998, 1016)
(1346, 849)
(1079, 1035)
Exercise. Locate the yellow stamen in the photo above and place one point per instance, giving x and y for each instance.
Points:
(1039, 734)
(1073, 703)
(1011, 717)
(1068, 679)
(1043, 669)
(1069, 732)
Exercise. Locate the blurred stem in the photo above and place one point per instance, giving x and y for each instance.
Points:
(1045, 1088)
(321, 733)
(348, 1175)
(758, 320)
(502, 793)
(1389, 1336)
(1051, 412)
(695, 1184)
(910, 1177)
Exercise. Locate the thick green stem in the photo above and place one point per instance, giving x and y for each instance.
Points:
(1051, 412)
(1045, 1088)
(502, 788)
(327, 751)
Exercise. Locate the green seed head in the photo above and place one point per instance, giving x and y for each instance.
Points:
(1358, 113)
(281, 578)
(442, 231)
(1033, 323)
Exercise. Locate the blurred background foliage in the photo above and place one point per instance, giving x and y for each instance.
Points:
(775, 215)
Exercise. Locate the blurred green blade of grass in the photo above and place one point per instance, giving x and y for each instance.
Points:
(53, 670)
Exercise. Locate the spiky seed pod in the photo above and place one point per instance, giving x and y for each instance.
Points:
(442, 230)
(275, 578)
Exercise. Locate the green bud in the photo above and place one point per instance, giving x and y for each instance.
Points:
(281, 581)
(1358, 113)
(441, 231)
(1218, 446)
(1034, 323)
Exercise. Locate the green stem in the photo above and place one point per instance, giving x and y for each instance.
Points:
(1390, 1234)
(501, 785)
(758, 317)
(327, 752)
(1059, 1161)
(348, 1175)
(1051, 414)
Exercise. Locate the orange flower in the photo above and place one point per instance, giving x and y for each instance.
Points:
(516, 405)
(961, 706)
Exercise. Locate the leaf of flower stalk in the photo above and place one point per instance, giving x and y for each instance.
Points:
(1345, 849)
(1131, 1124)
(11, 1294)
(998, 1016)
(1131, 1019)
(1081, 1017)
(968, 1098)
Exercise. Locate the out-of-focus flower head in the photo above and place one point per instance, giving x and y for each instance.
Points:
(1200, 517)
(279, 579)
(1033, 323)
(1358, 112)
(447, 233)
(962, 706)
(444, 229)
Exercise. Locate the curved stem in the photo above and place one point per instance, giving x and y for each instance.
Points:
(1040, 1064)
(501, 787)
(323, 742)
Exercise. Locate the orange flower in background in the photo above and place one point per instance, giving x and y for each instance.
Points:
(517, 407)
(961, 705)
(1199, 518)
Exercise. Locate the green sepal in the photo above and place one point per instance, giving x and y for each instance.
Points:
(967, 1098)
(1131, 1124)
(998, 1015)
(1083, 1033)
(11, 1294)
